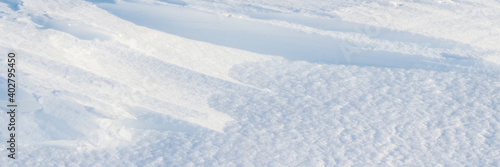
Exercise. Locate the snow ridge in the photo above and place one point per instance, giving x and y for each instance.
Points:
(254, 83)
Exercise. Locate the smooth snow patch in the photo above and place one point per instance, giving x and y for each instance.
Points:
(78, 30)
(150, 120)
(25, 100)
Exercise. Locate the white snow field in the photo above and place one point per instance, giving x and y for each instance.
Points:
(252, 83)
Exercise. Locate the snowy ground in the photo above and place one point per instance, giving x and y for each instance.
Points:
(253, 83)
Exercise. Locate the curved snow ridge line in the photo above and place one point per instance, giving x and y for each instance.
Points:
(379, 37)
(122, 93)
(368, 37)
(361, 39)
(201, 115)
(364, 37)
(466, 22)
(304, 41)
(108, 133)
(176, 50)
(218, 64)
(169, 48)
(91, 60)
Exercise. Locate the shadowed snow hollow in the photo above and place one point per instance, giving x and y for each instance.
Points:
(185, 83)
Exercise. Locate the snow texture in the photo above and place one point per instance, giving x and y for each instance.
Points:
(253, 83)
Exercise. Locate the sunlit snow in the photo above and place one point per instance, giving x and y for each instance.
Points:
(252, 83)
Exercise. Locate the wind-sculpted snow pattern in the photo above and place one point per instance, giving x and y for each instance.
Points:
(252, 83)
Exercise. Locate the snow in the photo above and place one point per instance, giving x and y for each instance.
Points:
(253, 83)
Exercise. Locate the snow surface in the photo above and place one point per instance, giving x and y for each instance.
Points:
(253, 83)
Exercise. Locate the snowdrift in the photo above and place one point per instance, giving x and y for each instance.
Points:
(259, 83)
